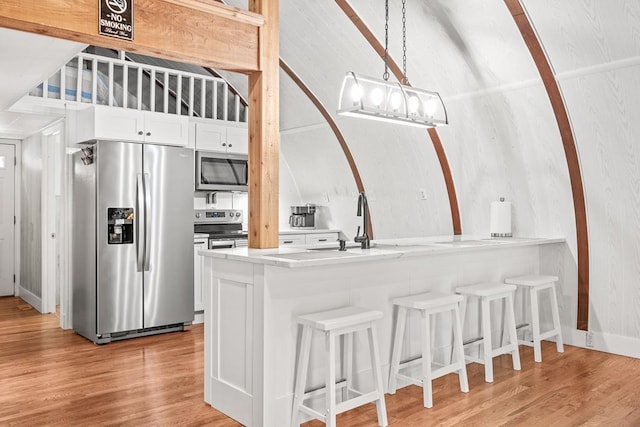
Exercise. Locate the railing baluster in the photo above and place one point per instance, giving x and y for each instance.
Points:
(152, 90)
(45, 89)
(203, 98)
(237, 109)
(125, 86)
(63, 82)
(139, 90)
(215, 99)
(225, 95)
(111, 84)
(79, 79)
(179, 96)
(94, 82)
(191, 96)
(165, 97)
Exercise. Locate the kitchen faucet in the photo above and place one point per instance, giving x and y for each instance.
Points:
(363, 211)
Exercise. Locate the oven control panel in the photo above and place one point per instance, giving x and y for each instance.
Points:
(217, 216)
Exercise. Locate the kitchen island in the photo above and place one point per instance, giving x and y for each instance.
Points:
(252, 297)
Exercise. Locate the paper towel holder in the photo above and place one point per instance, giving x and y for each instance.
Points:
(502, 232)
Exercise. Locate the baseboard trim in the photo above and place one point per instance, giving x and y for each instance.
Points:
(198, 317)
(602, 341)
(30, 298)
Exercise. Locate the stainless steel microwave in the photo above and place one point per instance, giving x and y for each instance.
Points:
(221, 171)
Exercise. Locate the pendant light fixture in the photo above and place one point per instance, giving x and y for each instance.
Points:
(371, 98)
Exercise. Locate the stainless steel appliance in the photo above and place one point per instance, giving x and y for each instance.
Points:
(303, 216)
(223, 226)
(221, 171)
(132, 256)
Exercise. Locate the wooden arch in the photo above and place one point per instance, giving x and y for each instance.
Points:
(568, 143)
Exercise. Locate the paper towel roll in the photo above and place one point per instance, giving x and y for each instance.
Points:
(500, 219)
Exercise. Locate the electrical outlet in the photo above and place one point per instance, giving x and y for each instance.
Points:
(423, 194)
(589, 339)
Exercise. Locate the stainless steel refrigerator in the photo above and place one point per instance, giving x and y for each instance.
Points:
(132, 240)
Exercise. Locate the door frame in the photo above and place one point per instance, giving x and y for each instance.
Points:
(54, 226)
(17, 173)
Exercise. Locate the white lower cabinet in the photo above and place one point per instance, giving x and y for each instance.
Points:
(198, 306)
(292, 240)
(319, 238)
(307, 239)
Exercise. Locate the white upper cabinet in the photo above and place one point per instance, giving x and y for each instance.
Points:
(113, 123)
(237, 140)
(168, 129)
(222, 138)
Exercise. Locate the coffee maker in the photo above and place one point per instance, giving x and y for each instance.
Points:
(303, 216)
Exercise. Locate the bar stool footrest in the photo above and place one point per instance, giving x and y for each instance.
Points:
(549, 334)
(340, 384)
(312, 412)
(507, 349)
(409, 379)
(356, 401)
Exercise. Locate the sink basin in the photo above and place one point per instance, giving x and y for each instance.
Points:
(300, 256)
(335, 248)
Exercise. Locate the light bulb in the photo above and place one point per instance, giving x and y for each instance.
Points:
(377, 96)
(414, 103)
(356, 93)
(395, 100)
(430, 107)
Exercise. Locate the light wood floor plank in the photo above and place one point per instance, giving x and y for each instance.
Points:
(53, 377)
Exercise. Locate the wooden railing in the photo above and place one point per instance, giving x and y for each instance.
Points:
(116, 82)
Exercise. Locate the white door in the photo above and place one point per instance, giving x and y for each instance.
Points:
(7, 212)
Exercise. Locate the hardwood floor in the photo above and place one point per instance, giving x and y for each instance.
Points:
(49, 376)
(53, 377)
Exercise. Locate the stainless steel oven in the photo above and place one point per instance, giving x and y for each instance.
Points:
(221, 171)
(223, 227)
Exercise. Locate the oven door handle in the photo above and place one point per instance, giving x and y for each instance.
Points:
(219, 244)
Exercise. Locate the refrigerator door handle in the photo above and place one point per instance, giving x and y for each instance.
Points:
(142, 223)
(147, 234)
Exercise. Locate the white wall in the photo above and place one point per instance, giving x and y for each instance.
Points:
(595, 50)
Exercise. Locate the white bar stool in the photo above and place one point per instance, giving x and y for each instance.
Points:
(428, 304)
(334, 323)
(535, 284)
(488, 292)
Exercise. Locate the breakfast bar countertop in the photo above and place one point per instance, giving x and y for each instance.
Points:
(328, 254)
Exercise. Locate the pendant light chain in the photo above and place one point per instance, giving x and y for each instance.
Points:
(405, 80)
(385, 76)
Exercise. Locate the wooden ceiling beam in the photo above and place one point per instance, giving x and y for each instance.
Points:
(196, 31)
